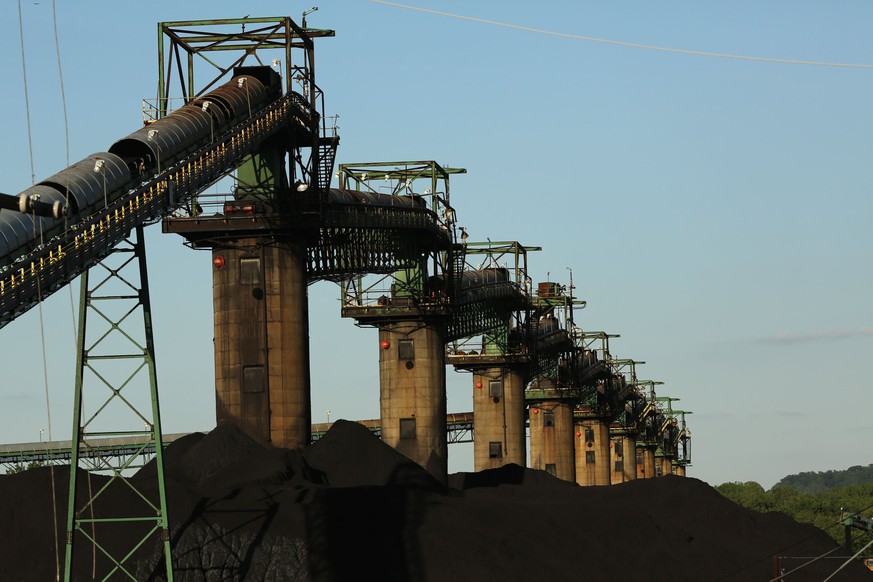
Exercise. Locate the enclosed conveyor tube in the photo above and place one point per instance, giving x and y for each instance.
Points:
(360, 198)
(352, 209)
(589, 369)
(546, 335)
(492, 286)
(94, 183)
(33, 205)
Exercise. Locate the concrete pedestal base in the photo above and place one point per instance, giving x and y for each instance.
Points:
(262, 341)
(412, 388)
(551, 439)
(498, 409)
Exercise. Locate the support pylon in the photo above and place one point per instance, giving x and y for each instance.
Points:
(113, 352)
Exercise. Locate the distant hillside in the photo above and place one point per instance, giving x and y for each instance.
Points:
(821, 481)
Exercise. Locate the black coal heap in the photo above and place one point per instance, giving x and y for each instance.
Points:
(350, 507)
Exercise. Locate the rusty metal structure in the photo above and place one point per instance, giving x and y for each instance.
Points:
(489, 328)
(244, 118)
(387, 235)
(674, 444)
(624, 429)
(649, 422)
(595, 410)
(410, 298)
(551, 392)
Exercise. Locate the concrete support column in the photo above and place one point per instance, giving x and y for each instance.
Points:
(262, 341)
(288, 356)
(680, 470)
(647, 471)
(666, 466)
(630, 457)
(623, 458)
(592, 452)
(412, 389)
(551, 439)
(240, 341)
(498, 409)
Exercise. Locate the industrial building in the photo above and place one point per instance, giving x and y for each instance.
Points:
(546, 392)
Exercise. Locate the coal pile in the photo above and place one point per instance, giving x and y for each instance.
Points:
(350, 507)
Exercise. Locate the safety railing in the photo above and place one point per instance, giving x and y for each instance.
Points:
(51, 266)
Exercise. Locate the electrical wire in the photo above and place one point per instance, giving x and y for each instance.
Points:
(805, 564)
(66, 216)
(70, 287)
(66, 144)
(49, 421)
(61, 78)
(38, 224)
(26, 97)
(849, 561)
(625, 43)
(833, 525)
(779, 551)
(860, 511)
(66, 225)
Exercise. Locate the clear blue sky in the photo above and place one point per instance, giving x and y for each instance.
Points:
(716, 213)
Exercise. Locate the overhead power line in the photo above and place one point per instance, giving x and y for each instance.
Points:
(625, 43)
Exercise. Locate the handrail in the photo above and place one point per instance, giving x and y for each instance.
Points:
(51, 266)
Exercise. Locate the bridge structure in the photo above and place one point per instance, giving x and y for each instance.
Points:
(17, 456)
(397, 255)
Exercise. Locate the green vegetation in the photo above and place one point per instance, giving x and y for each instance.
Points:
(821, 481)
(824, 510)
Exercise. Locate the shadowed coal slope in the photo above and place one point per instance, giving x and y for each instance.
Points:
(350, 507)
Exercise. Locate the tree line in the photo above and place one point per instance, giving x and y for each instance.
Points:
(825, 509)
(821, 481)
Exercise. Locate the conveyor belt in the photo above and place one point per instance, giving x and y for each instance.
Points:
(53, 265)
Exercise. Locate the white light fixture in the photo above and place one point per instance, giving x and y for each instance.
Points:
(240, 82)
(205, 106)
(98, 165)
(152, 134)
(307, 13)
(301, 186)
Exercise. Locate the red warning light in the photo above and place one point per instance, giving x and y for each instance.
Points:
(218, 262)
(385, 344)
(536, 410)
(478, 384)
(578, 434)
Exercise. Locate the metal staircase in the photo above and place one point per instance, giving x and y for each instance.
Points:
(326, 157)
